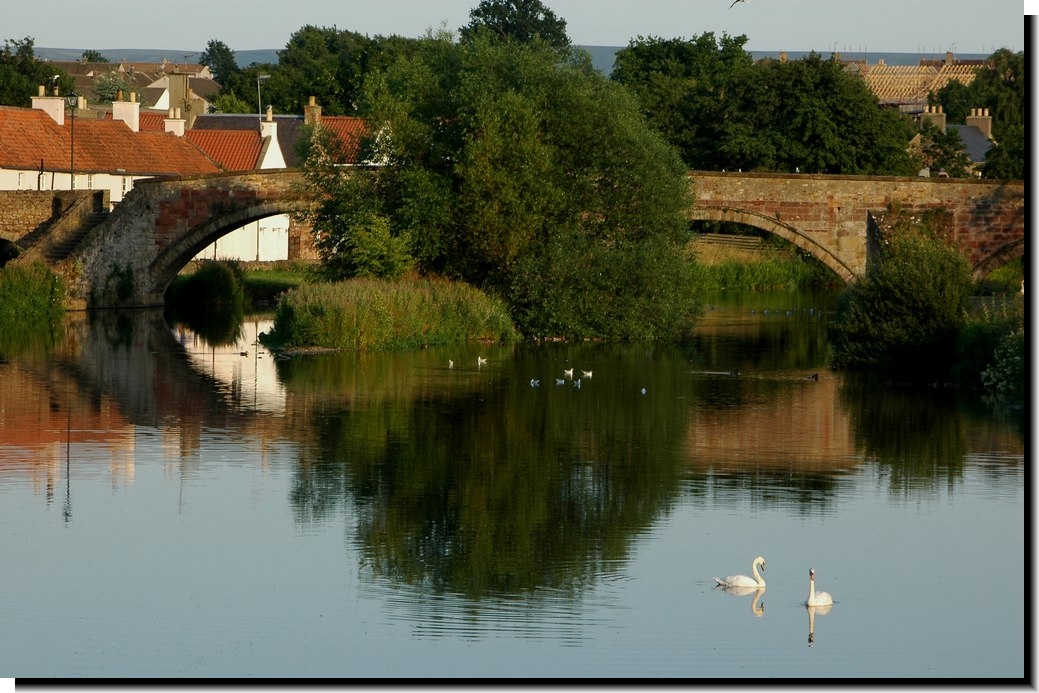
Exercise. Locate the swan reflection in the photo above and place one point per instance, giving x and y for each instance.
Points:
(757, 607)
(812, 611)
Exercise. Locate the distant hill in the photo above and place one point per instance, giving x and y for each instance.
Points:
(149, 55)
(602, 56)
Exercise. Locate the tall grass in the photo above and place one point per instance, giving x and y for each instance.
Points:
(377, 314)
(32, 303)
(722, 268)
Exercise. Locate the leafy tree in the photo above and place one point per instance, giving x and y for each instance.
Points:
(517, 20)
(92, 56)
(1006, 159)
(724, 111)
(323, 62)
(230, 103)
(221, 61)
(999, 87)
(108, 85)
(532, 178)
(904, 315)
(21, 73)
(944, 150)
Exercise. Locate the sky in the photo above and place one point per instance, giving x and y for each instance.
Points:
(847, 26)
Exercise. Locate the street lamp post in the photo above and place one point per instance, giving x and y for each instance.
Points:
(71, 99)
(259, 104)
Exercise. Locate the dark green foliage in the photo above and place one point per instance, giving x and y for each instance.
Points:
(944, 150)
(21, 73)
(516, 20)
(220, 60)
(216, 283)
(1001, 88)
(723, 111)
(903, 317)
(1005, 376)
(509, 168)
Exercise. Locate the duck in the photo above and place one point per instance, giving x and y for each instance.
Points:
(816, 598)
(744, 580)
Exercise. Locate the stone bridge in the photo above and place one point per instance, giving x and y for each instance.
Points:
(835, 217)
(130, 257)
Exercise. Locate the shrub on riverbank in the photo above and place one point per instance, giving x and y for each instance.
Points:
(378, 314)
(903, 317)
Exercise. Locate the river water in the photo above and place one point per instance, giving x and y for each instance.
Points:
(171, 508)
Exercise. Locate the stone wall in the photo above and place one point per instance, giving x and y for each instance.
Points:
(26, 211)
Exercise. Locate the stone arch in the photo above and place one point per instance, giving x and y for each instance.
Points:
(785, 231)
(175, 256)
(1002, 255)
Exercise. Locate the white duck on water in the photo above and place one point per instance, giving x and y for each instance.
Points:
(744, 580)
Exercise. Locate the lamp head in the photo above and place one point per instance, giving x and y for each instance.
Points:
(72, 99)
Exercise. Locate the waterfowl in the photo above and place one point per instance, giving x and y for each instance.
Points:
(744, 580)
(816, 598)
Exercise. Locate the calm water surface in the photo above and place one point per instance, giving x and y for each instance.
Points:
(173, 508)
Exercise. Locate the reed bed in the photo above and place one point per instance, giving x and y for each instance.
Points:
(724, 268)
(379, 315)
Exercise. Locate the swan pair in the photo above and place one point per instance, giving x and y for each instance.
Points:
(814, 598)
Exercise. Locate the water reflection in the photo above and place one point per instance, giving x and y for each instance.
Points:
(467, 480)
(813, 611)
(757, 607)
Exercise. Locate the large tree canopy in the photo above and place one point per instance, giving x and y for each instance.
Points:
(724, 111)
(517, 20)
(527, 175)
(21, 74)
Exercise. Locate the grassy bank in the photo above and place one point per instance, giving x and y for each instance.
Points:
(378, 315)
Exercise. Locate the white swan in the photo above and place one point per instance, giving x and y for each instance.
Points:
(816, 598)
(743, 580)
(568, 372)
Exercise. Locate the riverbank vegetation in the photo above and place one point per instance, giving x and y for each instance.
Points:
(911, 317)
(518, 168)
(32, 304)
(373, 314)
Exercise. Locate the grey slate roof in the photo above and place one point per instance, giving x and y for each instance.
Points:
(974, 141)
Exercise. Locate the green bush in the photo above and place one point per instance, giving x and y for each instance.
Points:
(378, 314)
(1005, 377)
(215, 283)
(904, 315)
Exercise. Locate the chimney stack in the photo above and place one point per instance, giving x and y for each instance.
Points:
(312, 112)
(128, 111)
(980, 119)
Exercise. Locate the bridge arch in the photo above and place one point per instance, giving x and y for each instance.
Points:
(776, 227)
(999, 257)
(171, 259)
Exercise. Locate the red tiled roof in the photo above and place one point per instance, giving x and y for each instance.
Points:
(233, 150)
(30, 136)
(349, 130)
